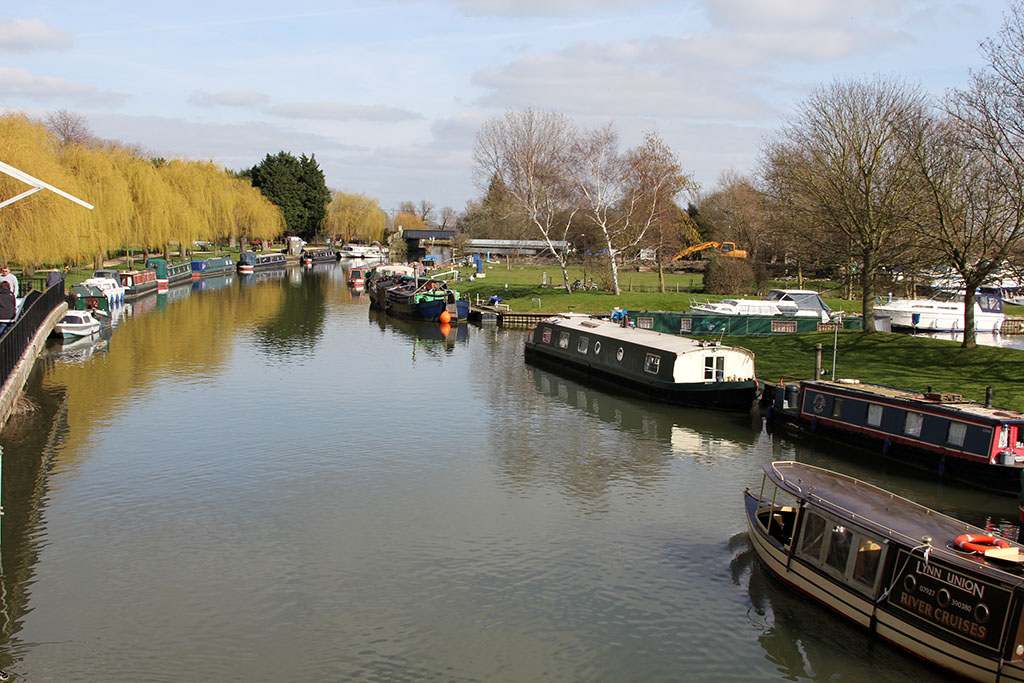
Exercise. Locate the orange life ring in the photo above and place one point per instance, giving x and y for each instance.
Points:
(976, 543)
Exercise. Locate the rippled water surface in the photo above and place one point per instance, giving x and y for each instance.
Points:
(264, 481)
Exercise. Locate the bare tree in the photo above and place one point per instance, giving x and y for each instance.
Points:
(448, 216)
(739, 211)
(526, 151)
(70, 128)
(425, 210)
(624, 194)
(840, 164)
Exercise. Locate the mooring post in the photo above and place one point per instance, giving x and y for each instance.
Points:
(817, 361)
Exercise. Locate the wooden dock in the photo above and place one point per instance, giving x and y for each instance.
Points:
(505, 318)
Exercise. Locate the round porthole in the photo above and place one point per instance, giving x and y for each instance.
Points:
(597, 347)
(618, 354)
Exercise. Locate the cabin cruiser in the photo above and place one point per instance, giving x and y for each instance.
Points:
(799, 303)
(930, 315)
(77, 324)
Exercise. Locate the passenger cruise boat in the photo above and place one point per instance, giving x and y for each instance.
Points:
(659, 366)
(942, 433)
(942, 589)
(929, 315)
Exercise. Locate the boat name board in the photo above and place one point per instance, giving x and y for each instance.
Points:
(939, 595)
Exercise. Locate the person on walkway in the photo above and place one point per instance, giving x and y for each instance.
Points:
(8, 306)
(12, 282)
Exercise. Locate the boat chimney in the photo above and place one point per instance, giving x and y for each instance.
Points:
(988, 397)
(817, 361)
(928, 390)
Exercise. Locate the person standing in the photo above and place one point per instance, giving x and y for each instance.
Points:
(8, 306)
(12, 282)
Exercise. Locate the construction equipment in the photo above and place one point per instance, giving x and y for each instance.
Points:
(724, 248)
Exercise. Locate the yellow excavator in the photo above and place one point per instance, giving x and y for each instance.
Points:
(725, 248)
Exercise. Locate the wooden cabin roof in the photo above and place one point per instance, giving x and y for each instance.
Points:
(884, 512)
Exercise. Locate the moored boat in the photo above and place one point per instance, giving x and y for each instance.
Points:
(212, 267)
(360, 251)
(76, 324)
(250, 262)
(800, 303)
(930, 315)
(318, 255)
(170, 272)
(426, 299)
(979, 445)
(382, 278)
(98, 293)
(942, 589)
(357, 276)
(136, 283)
(659, 366)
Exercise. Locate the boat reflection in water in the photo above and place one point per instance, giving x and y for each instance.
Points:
(78, 350)
(691, 432)
(215, 282)
(424, 334)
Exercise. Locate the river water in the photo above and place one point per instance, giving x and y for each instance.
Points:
(259, 480)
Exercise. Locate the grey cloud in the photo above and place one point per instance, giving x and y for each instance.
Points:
(340, 111)
(26, 35)
(229, 98)
(22, 83)
(545, 8)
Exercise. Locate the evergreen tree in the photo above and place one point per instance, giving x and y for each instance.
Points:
(297, 186)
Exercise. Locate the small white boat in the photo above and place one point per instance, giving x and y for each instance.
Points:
(359, 251)
(801, 303)
(111, 288)
(77, 324)
(929, 315)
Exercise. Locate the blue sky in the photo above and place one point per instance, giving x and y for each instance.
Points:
(389, 95)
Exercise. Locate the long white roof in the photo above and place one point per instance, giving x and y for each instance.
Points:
(649, 338)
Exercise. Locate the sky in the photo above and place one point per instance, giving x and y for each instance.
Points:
(389, 95)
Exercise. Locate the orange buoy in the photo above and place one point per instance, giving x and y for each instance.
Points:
(445, 329)
(446, 317)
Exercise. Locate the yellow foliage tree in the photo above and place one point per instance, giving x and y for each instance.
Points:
(351, 216)
(409, 221)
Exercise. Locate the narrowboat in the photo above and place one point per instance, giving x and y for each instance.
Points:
(658, 366)
(136, 283)
(357, 276)
(311, 256)
(212, 267)
(941, 589)
(426, 299)
(170, 272)
(250, 262)
(973, 443)
(384, 277)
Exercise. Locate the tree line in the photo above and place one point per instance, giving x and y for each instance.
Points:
(868, 178)
(145, 203)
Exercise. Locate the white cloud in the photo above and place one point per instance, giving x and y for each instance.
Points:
(23, 83)
(229, 98)
(773, 14)
(26, 35)
(546, 7)
(340, 111)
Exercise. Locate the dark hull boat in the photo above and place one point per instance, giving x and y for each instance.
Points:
(311, 256)
(212, 267)
(250, 262)
(658, 366)
(170, 273)
(426, 300)
(933, 585)
(953, 438)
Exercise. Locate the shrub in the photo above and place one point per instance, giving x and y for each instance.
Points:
(725, 275)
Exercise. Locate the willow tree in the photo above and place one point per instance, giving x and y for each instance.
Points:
(352, 215)
(840, 165)
(43, 227)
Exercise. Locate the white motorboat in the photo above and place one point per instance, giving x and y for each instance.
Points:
(930, 315)
(77, 324)
(360, 251)
(802, 303)
(111, 288)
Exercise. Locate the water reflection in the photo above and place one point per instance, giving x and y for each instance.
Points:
(431, 337)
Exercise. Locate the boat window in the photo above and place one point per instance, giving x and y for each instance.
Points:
(618, 354)
(652, 363)
(957, 432)
(1004, 436)
(645, 323)
(563, 341)
(783, 326)
(597, 347)
(814, 534)
(837, 407)
(547, 336)
(874, 418)
(839, 544)
(1020, 437)
(686, 325)
(869, 556)
(912, 424)
(582, 345)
